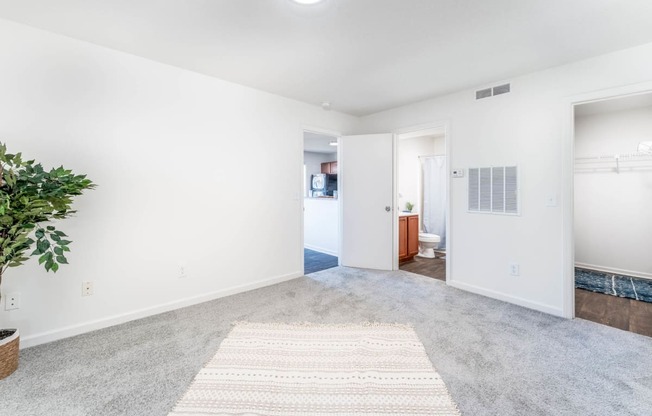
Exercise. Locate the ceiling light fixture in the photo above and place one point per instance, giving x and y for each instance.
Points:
(333, 143)
(326, 105)
(307, 1)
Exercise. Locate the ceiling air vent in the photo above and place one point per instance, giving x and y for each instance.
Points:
(501, 89)
(483, 94)
(492, 91)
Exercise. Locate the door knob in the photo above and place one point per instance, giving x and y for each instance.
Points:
(388, 208)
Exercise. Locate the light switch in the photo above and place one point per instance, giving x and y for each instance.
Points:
(551, 201)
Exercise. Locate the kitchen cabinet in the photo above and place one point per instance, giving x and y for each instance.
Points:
(329, 167)
(408, 237)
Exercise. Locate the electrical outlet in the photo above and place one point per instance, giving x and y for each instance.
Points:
(182, 272)
(87, 288)
(12, 301)
(514, 269)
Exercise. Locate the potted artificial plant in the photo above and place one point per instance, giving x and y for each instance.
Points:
(30, 197)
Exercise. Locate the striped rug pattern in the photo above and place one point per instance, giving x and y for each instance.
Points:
(322, 370)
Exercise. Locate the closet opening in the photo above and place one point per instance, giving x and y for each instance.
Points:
(612, 205)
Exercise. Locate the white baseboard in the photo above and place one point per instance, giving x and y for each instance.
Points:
(82, 328)
(614, 270)
(320, 249)
(541, 307)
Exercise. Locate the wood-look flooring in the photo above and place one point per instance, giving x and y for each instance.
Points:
(435, 268)
(622, 313)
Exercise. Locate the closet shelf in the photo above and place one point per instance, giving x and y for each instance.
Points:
(628, 161)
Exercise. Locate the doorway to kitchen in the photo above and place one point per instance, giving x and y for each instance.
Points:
(321, 210)
(422, 201)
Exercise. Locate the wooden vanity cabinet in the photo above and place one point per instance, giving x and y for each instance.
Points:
(408, 237)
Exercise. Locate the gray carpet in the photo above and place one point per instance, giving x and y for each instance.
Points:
(496, 358)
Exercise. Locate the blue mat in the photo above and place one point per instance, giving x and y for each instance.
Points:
(314, 261)
(614, 284)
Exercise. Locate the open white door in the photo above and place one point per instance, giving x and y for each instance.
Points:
(366, 188)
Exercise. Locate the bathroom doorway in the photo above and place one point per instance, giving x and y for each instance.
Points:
(612, 189)
(422, 201)
(321, 211)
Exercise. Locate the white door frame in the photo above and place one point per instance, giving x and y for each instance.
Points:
(445, 125)
(302, 211)
(568, 186)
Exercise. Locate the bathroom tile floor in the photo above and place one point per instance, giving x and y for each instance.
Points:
(622, 313)
(435, 268)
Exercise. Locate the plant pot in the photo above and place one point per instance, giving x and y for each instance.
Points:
(9, 340)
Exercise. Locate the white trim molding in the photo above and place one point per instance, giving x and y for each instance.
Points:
(613, 270)
(541, 307)
(72, 330)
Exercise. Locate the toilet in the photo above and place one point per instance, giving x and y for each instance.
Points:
(427, 245)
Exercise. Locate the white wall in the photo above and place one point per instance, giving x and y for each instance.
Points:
(525, 127)
(322, 225)
(172, 152)
(313, 161)
(613, 211)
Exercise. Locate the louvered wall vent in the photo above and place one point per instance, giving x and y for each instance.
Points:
(490, 92)
(494, 190)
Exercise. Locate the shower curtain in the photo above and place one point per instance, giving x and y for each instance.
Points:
(434, 196)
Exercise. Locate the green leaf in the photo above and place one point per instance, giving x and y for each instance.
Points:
(50, 227)
(61, 259)
(39, 233)
(55, 267)
(58, 250)
(45, 258)
(48, 265)
(43, 245)
(63, 242)
(55, 237)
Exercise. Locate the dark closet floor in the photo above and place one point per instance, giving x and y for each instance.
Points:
(623, 313)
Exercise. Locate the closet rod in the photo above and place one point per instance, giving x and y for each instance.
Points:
(611, 158)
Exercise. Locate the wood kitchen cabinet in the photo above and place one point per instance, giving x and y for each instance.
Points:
(408, 237)
(329, 167)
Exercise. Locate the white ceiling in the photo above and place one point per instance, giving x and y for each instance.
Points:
(631, 102)
(361, 55)
(318, 143)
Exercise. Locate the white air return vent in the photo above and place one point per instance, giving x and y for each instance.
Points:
(494, 190)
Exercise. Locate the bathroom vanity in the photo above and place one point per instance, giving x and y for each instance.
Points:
(408, 236)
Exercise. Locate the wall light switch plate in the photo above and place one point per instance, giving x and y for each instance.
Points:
(514, 269)
(458, 173)
(551, 201)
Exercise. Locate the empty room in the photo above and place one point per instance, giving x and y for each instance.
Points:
(325, 207)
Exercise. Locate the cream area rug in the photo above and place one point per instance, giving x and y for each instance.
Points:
(318, 370)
